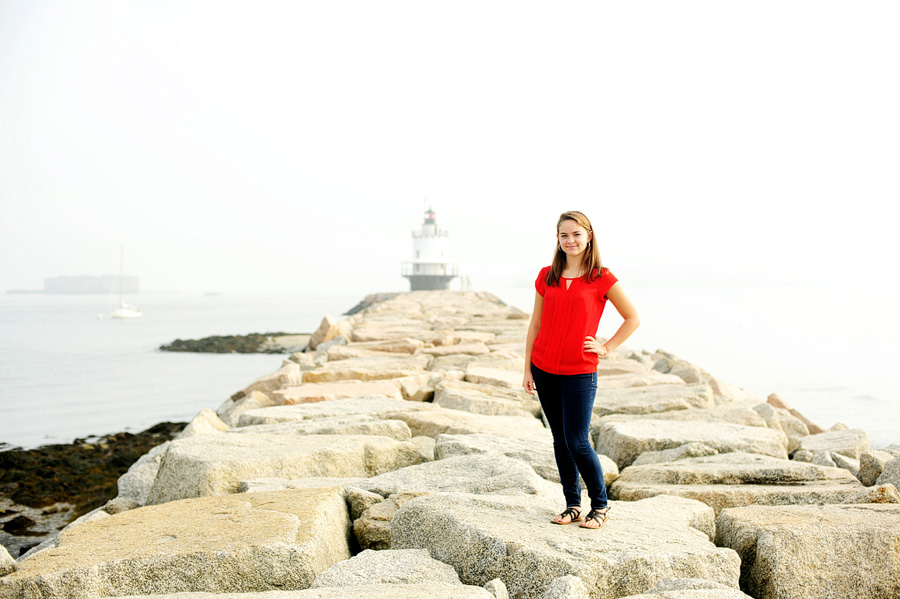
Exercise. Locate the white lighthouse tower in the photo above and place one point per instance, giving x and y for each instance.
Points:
(430, 268)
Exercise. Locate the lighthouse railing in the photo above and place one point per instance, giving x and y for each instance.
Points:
(440, 269)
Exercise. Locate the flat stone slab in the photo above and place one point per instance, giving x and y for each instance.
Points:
(690, 588)
(484, 399)
(376, 406)
(312, 392)
(625, 440)
(474, 349)
(370, 368)
(615, 364)
(355, 424)
(688, 450)
(432, 590)
(265, 485)
(216, 464)
(446, 421)
(851, 443)
(398, 346)
(641, 378)
(535, 448)
(512, 538)
(336, 353)
(453, 362)
(483, 474)
(652, 399)
(500, 328)
(288, 374)
(230, 544)
(449, 338)
(693, 594)
(735, 414)
(405, 566)
(392, 333)
(811, 552)
(497, 377)
(737, 479)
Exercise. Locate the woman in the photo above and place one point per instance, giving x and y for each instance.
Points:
(562, 355)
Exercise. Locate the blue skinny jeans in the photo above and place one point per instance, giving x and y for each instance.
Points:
(568, 401)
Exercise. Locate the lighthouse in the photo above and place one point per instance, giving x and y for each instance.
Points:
(430, 268)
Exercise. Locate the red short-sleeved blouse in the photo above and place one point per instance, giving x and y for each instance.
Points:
(569, 315)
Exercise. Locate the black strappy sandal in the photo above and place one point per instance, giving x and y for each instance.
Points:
(597, 515)
(572, 512)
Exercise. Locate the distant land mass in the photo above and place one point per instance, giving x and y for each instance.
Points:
(254, 343)
(85, 284)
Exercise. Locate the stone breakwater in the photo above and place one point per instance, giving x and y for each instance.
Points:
(398, 456)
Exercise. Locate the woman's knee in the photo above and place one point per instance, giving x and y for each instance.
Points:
(579, 446)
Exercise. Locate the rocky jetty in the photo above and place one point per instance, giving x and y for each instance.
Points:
(398, 456)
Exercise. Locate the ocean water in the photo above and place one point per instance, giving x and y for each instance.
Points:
(66, 374)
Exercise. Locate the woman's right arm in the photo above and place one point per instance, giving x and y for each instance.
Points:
(533, 328)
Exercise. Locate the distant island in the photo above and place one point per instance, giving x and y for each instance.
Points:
(85, 284)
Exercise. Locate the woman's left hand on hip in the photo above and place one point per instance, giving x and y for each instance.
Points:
(591, 345)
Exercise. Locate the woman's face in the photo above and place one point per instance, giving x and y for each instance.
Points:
(572, 238)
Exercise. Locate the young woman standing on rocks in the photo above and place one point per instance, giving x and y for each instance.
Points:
(562, 355)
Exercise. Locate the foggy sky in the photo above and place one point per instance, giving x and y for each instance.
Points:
(274, 147)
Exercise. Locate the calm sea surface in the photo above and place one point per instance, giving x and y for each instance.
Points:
(64, 373)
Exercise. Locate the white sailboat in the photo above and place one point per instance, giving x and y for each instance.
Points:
(124, 310)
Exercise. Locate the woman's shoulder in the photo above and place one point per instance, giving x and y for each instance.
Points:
(603, 274)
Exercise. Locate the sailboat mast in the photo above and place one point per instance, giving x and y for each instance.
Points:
(121, 270)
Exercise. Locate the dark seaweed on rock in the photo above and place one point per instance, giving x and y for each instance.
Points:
(81, 473)
(228, 344)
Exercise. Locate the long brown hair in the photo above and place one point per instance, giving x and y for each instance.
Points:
(593, 268)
